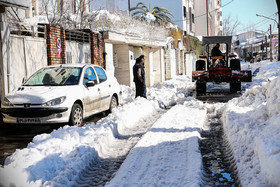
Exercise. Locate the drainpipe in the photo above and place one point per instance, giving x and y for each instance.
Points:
(103, 50)
(207, 19)
(24, 54)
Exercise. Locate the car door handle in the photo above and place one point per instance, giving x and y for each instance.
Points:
(109, 85)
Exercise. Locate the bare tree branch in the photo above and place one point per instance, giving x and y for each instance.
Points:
(230, 25)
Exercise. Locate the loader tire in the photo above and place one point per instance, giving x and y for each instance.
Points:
(235, 64)
(235, 86)
(200, 65)
(200, 87)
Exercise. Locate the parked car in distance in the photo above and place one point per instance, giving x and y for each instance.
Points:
(60, 94)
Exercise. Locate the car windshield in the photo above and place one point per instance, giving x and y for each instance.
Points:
(55, 76)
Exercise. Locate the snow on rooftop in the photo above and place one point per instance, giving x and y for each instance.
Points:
(105, 13)
(150, 17)
(103, 20)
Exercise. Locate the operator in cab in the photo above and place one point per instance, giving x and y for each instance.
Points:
(216, 50)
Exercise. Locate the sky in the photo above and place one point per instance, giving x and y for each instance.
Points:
(245, 11)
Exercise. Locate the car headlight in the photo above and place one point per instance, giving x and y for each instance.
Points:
(54, 102)
(6, 102)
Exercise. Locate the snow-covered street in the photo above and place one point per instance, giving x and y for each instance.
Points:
(157, 139)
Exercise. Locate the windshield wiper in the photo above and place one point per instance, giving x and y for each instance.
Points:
(51, 84)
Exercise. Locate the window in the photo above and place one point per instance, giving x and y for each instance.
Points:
(89, 76)
(101, 74)
(192, 18)
(185, 11)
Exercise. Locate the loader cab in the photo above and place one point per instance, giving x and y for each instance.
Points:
(220, 60)
(207, 61)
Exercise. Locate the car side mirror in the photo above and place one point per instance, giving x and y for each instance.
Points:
(90, 83)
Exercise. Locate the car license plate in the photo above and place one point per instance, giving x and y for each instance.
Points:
(28, 120)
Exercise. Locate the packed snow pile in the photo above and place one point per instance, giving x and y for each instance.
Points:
(167, 93)
(164, 153)
(251, 123)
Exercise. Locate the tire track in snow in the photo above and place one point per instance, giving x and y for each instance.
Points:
(101, 170)
(218, 159)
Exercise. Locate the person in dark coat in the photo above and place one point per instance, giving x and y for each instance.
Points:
(216, 51)
(139, 77)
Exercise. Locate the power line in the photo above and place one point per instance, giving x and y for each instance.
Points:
(206, 12)
(255, 25)
(215, 9)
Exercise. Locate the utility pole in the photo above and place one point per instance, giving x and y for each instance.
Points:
(266, 46)
(129, 7)
(262, 50)
(278, 36)
(270, 43)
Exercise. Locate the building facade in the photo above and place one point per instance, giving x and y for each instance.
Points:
(208, 18)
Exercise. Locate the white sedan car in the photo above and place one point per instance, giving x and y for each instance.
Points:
(62, 93)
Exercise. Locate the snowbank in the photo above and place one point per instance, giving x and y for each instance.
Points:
(58, 157)
(251, 123)
(168, 154)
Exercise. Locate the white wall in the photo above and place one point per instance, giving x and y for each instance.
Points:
(162, 61)
(190, 63)
(201, 21)
(4, 53)
(110, 69)
(27, 56)
(172, 63)
(157, 70)
(78, 53)
(122, 68)
(147, 52)
(131, 64)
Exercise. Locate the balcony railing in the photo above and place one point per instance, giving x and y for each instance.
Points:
(25, 29)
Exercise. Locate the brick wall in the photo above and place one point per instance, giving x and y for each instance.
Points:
(96, 45)
(56, 47)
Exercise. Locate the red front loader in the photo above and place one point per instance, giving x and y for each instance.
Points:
(217, 69)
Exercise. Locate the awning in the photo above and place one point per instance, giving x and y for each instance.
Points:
(216, 39)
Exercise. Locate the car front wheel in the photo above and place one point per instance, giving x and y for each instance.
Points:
(113, 104)
(76, 116)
